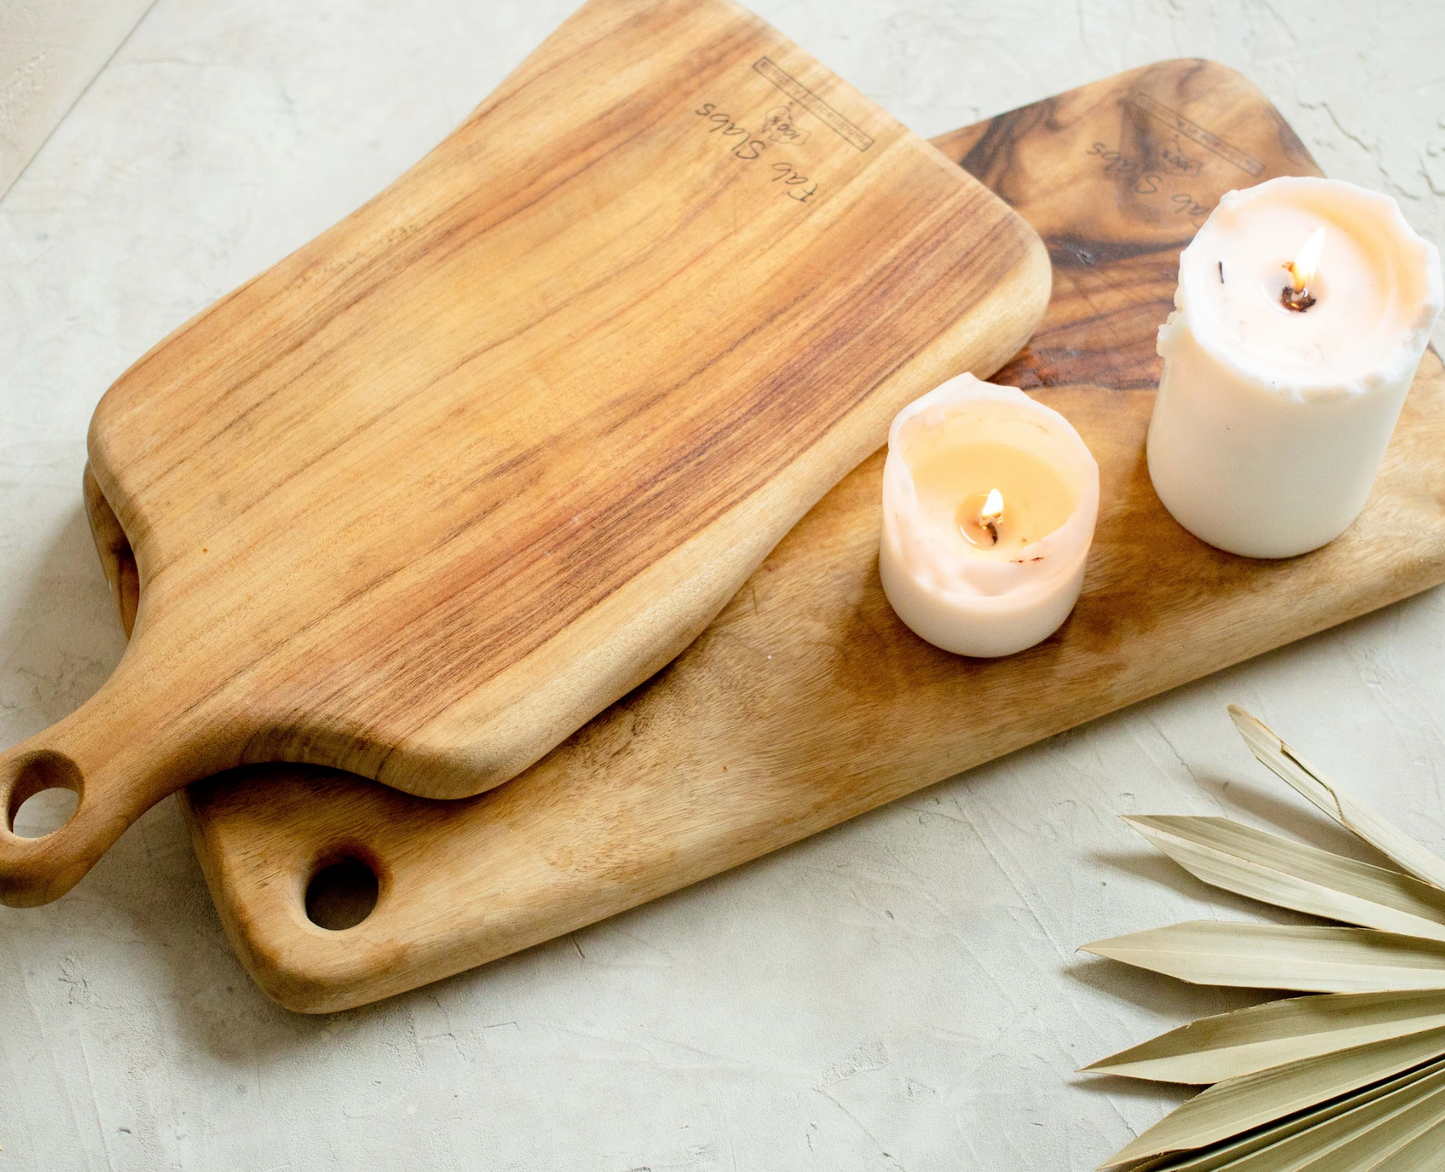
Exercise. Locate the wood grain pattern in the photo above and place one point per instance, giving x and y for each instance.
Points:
(429, 494)
(806, 702)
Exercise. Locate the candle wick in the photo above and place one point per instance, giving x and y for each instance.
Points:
(1294, 299)
(990, 514)
(1221, 272)
(1296, 295)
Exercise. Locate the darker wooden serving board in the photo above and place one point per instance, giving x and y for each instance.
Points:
(807, 702)
(429, 494)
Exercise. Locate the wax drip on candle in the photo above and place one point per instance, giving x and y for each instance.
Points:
(1296, 294)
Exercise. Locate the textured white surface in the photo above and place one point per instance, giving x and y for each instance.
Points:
(49, 52)
(899, 993)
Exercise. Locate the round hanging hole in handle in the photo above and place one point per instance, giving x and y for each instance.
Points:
(43, 776)
(342, 893)
(122, 751)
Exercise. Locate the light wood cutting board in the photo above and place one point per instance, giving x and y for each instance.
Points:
(807, 702)
(432, 492)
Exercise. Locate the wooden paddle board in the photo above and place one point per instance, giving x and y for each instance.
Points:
(806, 701)
(432, 492)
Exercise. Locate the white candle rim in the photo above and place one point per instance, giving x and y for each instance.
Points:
(1301, 383)
(959, 574)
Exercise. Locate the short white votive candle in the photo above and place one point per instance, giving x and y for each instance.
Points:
(989, 506)
(1281, 385)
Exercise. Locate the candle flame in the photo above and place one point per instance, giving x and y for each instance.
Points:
(992, 508)
(1307, 261)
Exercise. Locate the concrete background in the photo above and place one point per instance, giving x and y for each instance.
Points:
(902, 992)
(50, 50)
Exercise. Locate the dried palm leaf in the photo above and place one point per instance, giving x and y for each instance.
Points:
(1241, 1104)
(1275, 870)
(1423, 1153)
(1345, 809)
(1274, 956)
(1353, 1082)
(1231, 1045)
(1349, 1133)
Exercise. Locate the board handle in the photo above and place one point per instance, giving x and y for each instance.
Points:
(117, 757)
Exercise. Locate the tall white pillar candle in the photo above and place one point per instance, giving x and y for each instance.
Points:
(1281, 387)
(989, 504)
